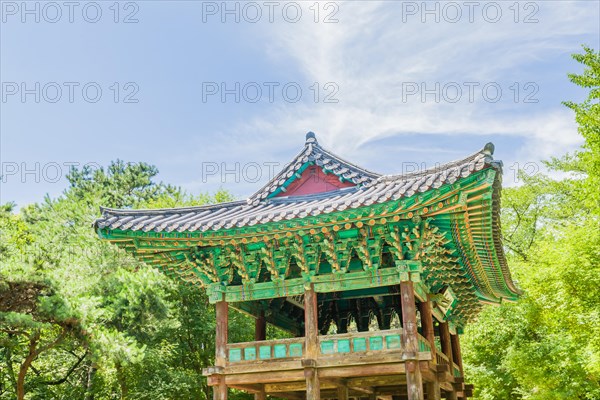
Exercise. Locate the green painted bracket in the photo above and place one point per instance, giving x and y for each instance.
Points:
(409, 270)
(323, 283)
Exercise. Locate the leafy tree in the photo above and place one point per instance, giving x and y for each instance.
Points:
(547, 345)
(80, 318)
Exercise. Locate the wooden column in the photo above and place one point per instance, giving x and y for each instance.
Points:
(455, 344)
(445, 342)
(222, 316)
(447, 350)
(342, 392)
(427, 324)
(311, 344)
(433, 388)
(260, 327)
(261, 395)
(260, 333)
(414, 383)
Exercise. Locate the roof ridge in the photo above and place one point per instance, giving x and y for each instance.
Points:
(313, 196)
(366, 171)
(487, 152)
(314, 152)
(240, 213)
(175, 210)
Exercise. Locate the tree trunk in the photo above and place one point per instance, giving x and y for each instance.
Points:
(122, 382)
(33, 341)
(9, 365)
(89, 386)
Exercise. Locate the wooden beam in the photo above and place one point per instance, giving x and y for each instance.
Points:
(246, 388)
(410, 340)
(363, 390)
(299, 386)
(311, 337)
(290, 395)
(222, 322)
(293, 371)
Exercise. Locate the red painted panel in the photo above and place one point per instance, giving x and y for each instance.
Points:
(314, 180)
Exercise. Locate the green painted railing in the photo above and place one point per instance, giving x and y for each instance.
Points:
(360, 342)
(441, 358)
(456, 370)
(347, 343)
(424, 345)
(266, 350)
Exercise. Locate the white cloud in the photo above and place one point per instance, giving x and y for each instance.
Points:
(371, 52)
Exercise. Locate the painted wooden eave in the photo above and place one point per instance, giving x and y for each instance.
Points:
(462, 197)
(240, 214)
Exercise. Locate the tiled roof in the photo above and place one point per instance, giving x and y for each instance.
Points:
(314, 153)
(260, 208)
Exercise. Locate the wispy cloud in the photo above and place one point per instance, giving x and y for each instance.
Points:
(371, 53)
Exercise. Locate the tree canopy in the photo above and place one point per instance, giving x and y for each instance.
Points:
(547, 345)
(80, 318)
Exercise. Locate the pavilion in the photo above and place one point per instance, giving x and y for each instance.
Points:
(374, 276)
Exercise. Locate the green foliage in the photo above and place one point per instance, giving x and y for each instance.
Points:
(85, 320)
(587, 116)
(547, 346)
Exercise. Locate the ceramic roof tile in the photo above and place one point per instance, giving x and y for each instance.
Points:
(260, 209)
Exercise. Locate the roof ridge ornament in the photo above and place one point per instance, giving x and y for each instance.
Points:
(311, 138)
(488, 149)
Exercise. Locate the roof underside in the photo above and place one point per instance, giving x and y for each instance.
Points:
(446, 218)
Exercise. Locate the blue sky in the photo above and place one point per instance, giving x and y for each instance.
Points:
(393, 70)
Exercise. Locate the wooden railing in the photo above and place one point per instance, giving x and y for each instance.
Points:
(441, 358)
(266, 350)
(347, 343)
(361, 342)
(456, 370)
(424, 345)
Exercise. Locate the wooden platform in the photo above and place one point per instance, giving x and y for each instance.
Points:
(356, 365)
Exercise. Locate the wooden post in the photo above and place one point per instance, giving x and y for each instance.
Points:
(342, 392)
(311, 344)
(447, 350)
(414, 383)
(260, 333)
(261, 395)
(433, 388)
(220, 391)
(427, 324)
(260, 327)
(455, 342)
(445, 343)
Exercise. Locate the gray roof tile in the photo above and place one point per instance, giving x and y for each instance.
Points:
(258, 208)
